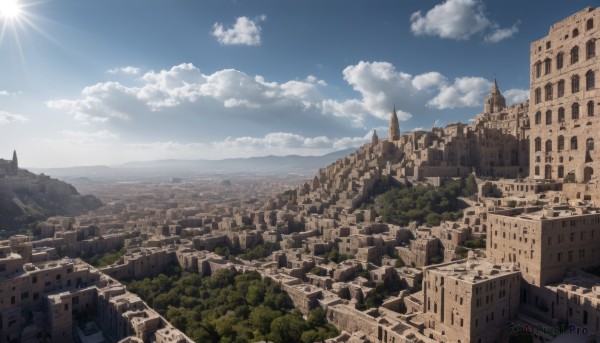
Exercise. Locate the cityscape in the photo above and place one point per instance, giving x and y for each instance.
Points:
(184, 205)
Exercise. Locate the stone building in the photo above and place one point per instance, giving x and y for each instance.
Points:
(564, 100)
(471, 300)
(544, 242)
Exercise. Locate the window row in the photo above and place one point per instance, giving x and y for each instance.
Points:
(590, 52)
(561, 114)
(590, 83)
(560, 144)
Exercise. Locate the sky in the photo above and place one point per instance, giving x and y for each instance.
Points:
(103, 82)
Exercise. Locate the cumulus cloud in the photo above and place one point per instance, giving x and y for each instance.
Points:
(458, 19)
(184, 84)
(464, 92)
(515, 95)
(245, 31)
(9, 118)
(499, 34)
(129, 70)
(380, 86)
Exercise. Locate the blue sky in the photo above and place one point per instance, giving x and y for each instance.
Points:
(105, 82)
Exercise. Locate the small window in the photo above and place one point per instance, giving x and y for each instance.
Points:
(538, 95)
(538, 69)
(589, 24)
(548, 91)
(549, 145)
(575, 111)
(559, 60)
(575, 33)
(548, 117)
(561, 115)
(590, 49)
(574, 143)
(547, 66)
(574, 55)
(560, 88)
(590, 80)
(590, 108)
(538, 144)
(548, 45)
(575, 84)
(560, 144)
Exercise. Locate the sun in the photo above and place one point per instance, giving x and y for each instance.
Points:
(10, 9)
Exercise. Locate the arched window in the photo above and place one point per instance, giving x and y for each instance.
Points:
(560, 143)
(538, 95)
(574, 143)
(590, 108)
(538, 69)
(548, 91)
(548, 117)
(538, 144)
(547, 66)
(590, 49)
(589, 144)
(561, 115)
(575, 111)
(537, 170)
(574, 55)
(560, 60)
(548, 145)
(589, 24)
(590, 80)
(538, 118)
(575, 33)
(575, 84)
(560, 88)
(561, 172)
(548, 172)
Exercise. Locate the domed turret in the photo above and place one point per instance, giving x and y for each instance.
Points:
(494, 102)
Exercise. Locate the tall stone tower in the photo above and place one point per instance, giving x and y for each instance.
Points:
(375, 139)
(494, 102)
(15, 163)
(394, 130)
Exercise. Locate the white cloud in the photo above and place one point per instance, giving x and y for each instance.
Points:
(287, 143)
(464, 92)
(428, 80)
(7, 93)
(9, 118)
(499, 34)
(245, 31)
(458, 19)
(129, 70)
(515, 95)
(185, 84)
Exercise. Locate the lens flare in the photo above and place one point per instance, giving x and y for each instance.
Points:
(10, 9)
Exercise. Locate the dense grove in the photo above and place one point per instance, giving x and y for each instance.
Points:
(108, 258)
(424, 204)
(231, 307)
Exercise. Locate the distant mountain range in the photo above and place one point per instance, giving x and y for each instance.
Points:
(176, 168)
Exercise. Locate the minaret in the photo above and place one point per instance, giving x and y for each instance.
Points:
(394, 130)
(375, 139)
(15, 163)
(494, 102)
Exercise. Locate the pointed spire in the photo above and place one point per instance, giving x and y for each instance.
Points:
(15, 162)
(394, 129)
(374, 139)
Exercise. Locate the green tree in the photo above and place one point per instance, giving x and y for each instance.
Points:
(286, 329)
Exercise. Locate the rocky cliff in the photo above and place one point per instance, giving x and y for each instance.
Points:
(27, 197)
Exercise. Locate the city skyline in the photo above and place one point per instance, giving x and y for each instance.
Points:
(108, 83)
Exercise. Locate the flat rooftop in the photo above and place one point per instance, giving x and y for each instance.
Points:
(473, 270)
(546, 213)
